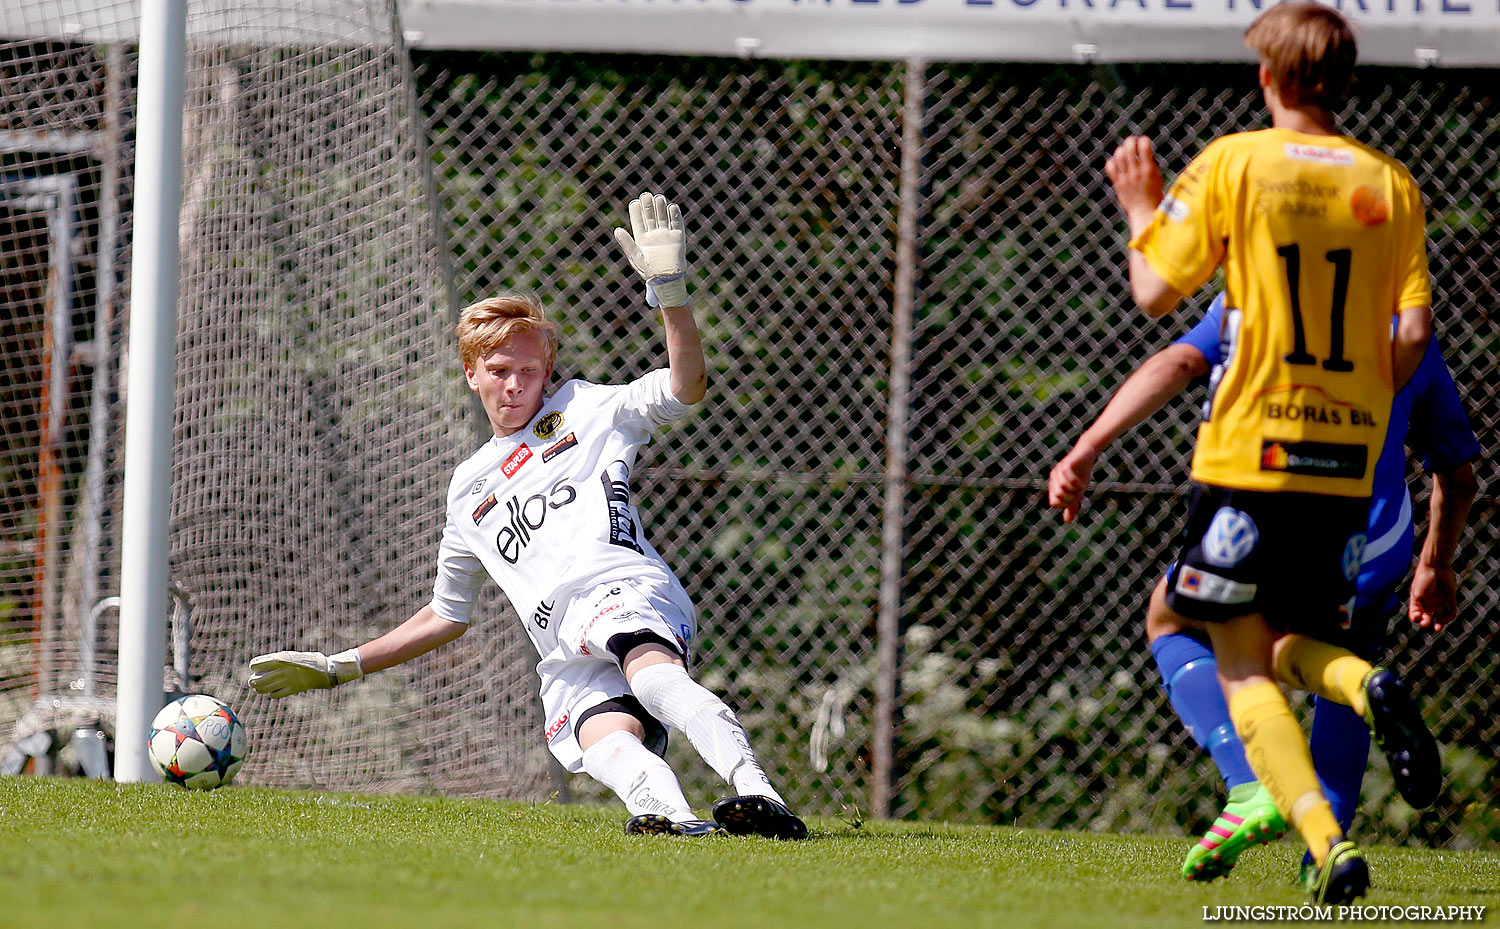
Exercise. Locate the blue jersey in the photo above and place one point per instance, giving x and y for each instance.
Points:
(1428, 415)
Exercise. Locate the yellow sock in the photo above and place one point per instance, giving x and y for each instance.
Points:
(1278, 754)
(1326, 670)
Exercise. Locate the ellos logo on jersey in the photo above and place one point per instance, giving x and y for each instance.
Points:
(525, 516)
(1230, 538)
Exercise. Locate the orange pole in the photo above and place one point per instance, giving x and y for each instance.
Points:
(49, 512)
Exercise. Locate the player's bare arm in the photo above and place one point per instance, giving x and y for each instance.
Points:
(1163, 376)
(419, 635)
(1136, 179)
(281, 674)
(656, 247)
(1413, 330)
(1434, 586)
(685, 354)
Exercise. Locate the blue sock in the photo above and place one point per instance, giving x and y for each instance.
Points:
(1191, 677)
(1340, 748)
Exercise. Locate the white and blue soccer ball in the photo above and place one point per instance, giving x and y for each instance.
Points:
(198, 742)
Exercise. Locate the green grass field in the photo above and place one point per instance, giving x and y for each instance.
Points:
(80, 853)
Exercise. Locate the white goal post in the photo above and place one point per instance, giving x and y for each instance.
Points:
(152, 382)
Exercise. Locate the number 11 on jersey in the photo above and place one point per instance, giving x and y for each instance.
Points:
(1340, 258)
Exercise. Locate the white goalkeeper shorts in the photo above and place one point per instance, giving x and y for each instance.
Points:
(582, 674)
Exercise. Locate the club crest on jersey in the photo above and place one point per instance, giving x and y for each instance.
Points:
(566, 442)
(547, 426)
(1230, 538)
(517, 458)
(478, 485)
(484, 508)
(1354, 555)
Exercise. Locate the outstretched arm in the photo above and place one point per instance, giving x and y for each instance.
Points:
(1434, 586)
(685, 354)
(656, 246)
(1136, 179)
(417, 636)
(281, 674)
(1162, 377)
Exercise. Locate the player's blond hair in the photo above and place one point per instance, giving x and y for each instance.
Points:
(1309, 50)
(484, 325)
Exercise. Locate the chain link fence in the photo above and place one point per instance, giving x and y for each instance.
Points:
(1024, 691)
(910, 284)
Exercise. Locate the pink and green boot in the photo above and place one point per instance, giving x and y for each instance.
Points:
(1250, 818)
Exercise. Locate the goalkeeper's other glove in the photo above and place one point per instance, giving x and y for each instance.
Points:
(658, 247)
(281, 674)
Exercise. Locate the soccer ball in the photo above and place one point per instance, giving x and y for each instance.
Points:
(198, 742)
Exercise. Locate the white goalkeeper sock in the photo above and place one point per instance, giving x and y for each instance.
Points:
(647, 785)
(667, 693)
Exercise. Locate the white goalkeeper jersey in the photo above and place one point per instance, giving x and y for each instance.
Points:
(546, 510)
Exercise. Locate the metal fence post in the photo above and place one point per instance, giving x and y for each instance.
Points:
(892, 536)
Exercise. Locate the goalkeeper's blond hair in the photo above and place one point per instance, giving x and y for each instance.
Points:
(484, 325)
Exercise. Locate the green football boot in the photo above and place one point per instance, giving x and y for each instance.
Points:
(1307, 877)
(1246, 821)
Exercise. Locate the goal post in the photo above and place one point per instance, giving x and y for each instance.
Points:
(152, 381)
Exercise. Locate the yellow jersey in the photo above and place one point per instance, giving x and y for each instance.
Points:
(1322, 241)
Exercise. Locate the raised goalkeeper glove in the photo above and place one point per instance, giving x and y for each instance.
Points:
(281, 674)
(658, 248)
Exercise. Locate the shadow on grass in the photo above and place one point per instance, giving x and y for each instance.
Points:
(858, 832)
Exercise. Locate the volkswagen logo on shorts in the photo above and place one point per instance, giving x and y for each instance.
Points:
(1230, 538)
(1354, 554)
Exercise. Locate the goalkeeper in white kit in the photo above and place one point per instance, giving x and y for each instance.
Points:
(544, 508)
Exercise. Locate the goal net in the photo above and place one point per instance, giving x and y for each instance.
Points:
(319, 411)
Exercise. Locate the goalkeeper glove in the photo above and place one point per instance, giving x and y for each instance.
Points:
(658, 248)
(281, 674)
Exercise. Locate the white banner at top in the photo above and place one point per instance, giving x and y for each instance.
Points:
(1450, 33)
